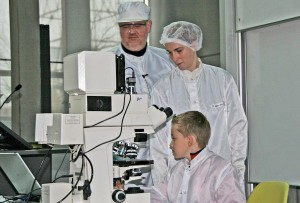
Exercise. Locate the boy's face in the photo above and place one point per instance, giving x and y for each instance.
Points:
(179, 144)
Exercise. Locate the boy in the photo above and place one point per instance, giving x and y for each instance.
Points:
(200, 175)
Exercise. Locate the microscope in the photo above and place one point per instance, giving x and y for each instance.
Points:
(109, 120)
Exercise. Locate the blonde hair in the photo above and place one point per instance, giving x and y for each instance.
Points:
(193, 122)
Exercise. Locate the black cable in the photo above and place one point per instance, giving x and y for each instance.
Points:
(84, 154)
(133, 73)
(35, 177)
(77, 156)
(144, 76)
(95, 125)
(62, 176)
(7, 199)
(120, 129)
(86, 189)
(14, 198)
(86, 186)
(92, 168)
(18, 197)
(18, 87)
(61, 164)
(74, 160)
(73, 187)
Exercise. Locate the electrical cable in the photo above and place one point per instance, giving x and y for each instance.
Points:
(87, 184)
(37, 174)
(131, 82)
(60, 164)
(130, 68)
(73, 187)
(144, 76)
(6, 199)
(95, 125)
(17, 88)
(86, 187)
(92, 168)
(120, 129)
(62, 176)
(77, 153)
(84, 154)
(18, 197)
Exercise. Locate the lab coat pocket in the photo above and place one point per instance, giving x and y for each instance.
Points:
(212, 108)
(217, 106)
(215, 111)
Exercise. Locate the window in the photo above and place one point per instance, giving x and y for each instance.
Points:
(5, 62)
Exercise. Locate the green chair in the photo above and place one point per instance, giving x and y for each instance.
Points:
(270, 192)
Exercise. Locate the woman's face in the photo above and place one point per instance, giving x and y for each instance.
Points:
(184, 57)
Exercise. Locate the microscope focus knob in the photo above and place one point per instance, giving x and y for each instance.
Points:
(118, 196)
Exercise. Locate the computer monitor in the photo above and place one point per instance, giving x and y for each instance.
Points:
(9, 140)
(18, 175)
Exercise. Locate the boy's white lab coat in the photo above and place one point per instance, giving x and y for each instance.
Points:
(208, 178)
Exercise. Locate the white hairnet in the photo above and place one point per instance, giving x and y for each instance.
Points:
(184, 33)
(133, 11)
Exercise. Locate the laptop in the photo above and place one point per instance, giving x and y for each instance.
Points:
(19, 177)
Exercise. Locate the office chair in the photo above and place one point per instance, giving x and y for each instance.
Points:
(270, 192)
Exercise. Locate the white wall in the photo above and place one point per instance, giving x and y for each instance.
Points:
(272, 49)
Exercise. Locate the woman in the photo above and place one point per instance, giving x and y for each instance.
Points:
(194, 86)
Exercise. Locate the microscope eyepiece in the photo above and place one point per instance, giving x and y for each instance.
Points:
(168, 111)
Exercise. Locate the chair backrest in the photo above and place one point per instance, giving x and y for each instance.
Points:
(270, 192)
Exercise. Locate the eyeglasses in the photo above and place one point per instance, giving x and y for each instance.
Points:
(135, 26)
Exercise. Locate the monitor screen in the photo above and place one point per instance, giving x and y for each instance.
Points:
(9, 140)
(21, 180)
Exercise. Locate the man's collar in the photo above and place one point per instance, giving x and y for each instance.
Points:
(135, 53)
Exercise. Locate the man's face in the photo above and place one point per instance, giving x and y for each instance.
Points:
(134, 34)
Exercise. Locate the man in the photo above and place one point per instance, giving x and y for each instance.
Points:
(148, 63)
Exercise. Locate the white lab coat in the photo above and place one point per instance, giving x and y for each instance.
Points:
(212, 91)
(208, 178)
(148, 68)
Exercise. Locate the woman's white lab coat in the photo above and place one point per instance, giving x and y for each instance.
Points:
(212, 91)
